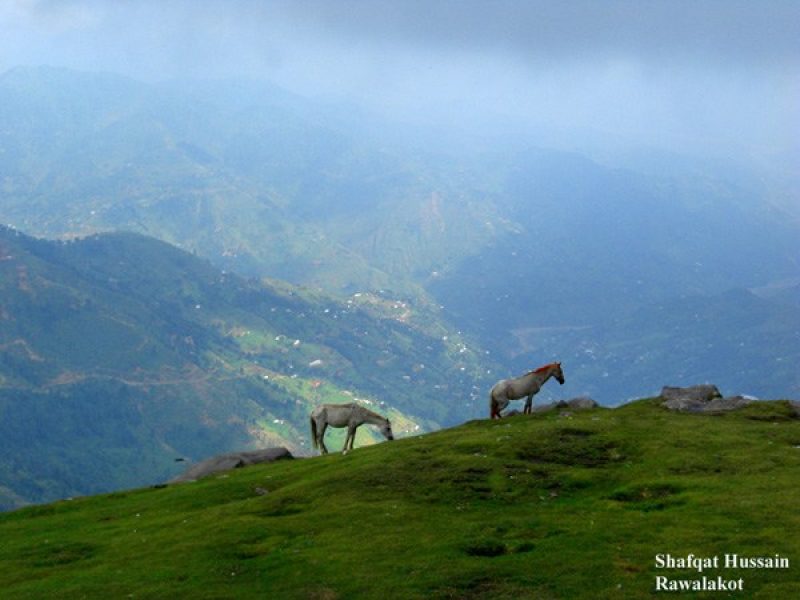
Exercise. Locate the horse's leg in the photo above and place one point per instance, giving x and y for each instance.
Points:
(321, 434)
(500, 406)
(496, 406)
(351, 437)
(528, 405)
(346, 441)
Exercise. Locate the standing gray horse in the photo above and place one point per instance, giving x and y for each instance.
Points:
(526, 385)
(344, 415)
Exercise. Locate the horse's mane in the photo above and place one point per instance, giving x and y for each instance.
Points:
(545, 368)
(371, 412)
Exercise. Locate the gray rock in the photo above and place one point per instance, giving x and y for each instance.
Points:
(580, 403)
(700, 399)
(234, 460)
(704, 392)
(729, 403)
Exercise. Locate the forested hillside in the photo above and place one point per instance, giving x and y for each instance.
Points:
(120, 353)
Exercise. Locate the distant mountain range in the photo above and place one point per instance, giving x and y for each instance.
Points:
(120, 353)
(264, 182)
(259, 181)
(636, 281)
(495, 256)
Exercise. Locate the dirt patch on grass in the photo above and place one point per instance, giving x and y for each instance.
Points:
(488, 547)
(56, 554)
(486, 588)
(571, 446)
(321, 593)
(281, 507)
(469, 483)
(708, 466)
(427, 480)
(649, 496)
(781, 410)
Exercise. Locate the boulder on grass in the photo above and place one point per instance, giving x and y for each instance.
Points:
(580, 403)
(700, 399)
(234, 460)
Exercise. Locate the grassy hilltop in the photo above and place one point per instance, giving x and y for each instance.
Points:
(550, 506)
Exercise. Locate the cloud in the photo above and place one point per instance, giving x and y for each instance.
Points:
(49, 16)
(528, 30)
(722, 73)
(574, 29)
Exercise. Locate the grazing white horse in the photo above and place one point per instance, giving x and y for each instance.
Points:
(526, 385)
(344, 415)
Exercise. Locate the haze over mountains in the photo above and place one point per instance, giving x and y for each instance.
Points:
(524, 247)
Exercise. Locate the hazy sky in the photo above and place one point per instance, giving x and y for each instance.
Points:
(719, 74)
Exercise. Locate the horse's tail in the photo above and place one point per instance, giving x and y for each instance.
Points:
(314, 432)
(492, 405)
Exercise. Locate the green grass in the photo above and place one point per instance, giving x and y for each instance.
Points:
(555, 506)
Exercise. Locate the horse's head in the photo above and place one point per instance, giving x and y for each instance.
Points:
(558, 373)
(551, 370)
(386, 430)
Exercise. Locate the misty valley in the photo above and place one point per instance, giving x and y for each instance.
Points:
(188, 268)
